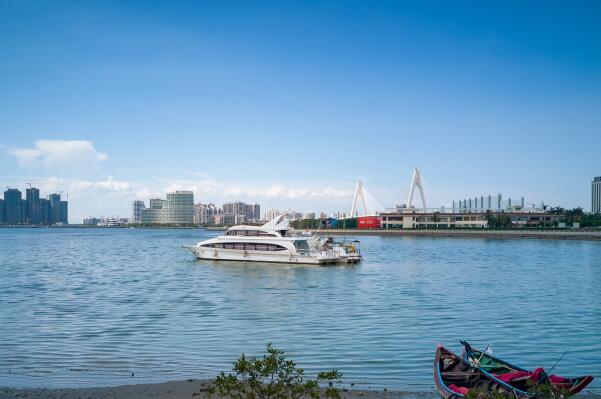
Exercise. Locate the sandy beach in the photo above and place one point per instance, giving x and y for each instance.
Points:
(187, 389)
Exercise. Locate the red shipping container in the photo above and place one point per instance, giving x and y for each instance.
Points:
(368, 222)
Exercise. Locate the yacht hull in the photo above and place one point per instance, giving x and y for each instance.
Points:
(259, 256)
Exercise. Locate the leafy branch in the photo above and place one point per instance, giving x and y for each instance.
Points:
(273, 377)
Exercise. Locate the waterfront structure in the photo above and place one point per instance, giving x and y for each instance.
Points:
(413, 220)
(112, 222)
(369, 204)
(483, 204)
(136, 211)
(409, 219)
(90, 221)
(33, 210)
(416, 181)
(596, 195)
(106, 221)
(240, 212)
(177, 208)
(368, 222)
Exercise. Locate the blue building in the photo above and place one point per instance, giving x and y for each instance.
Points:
(45, 211)
(12, 206)
(32, 199)
(63, 212)
(55, 208)
(33, 210)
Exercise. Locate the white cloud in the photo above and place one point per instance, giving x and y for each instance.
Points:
(59, 153)
(213, 190)
(80, 187)
(106, 197)
(111, 197)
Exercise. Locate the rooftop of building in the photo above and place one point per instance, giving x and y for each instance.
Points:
(418, 212)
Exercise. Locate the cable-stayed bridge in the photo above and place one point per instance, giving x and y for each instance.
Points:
(365, 204)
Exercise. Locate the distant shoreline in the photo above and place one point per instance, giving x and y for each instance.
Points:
(594, 235)
(549, 234)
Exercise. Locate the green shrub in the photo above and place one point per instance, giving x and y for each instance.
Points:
(535, 391)
(273, 377)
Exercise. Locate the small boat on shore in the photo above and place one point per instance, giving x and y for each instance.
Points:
(274, 241)
(454, 378)
(518, 377)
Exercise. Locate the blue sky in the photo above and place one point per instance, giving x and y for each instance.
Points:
(289, 103)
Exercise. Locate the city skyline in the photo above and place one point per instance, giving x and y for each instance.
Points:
(31, 209)
(290, 104)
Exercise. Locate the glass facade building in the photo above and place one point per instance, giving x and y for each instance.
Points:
(32, 210)
(136, 211)
(178, 208)
(12, 206)
(32, 198)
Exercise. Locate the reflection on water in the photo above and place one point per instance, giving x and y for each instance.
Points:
(92, 306)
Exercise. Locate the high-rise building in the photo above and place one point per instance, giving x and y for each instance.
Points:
(23, 211)
(239, 212)
(64, 212)
(1, 211)
(178, 208)
(33, 209)
(55, 208)
(32, 197)
(12, 206)
(271, 213)
(206, 213)
(136, 211)
(45, 211)
(157, 203)
(596, 195)
(253, 212)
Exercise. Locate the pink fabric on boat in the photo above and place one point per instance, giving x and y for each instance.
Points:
(461, 390)
(508, 377)
(536, 374)
(556, 379)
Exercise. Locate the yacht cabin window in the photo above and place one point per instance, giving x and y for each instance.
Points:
(246, 246)
(250, 233)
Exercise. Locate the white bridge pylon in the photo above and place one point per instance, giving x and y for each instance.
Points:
(370, 205)
(416, 181)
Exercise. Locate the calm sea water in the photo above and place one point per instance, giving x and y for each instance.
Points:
(83, 307)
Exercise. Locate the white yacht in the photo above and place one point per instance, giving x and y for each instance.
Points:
(272, 242)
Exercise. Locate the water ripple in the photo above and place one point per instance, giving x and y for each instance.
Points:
(91, 307)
